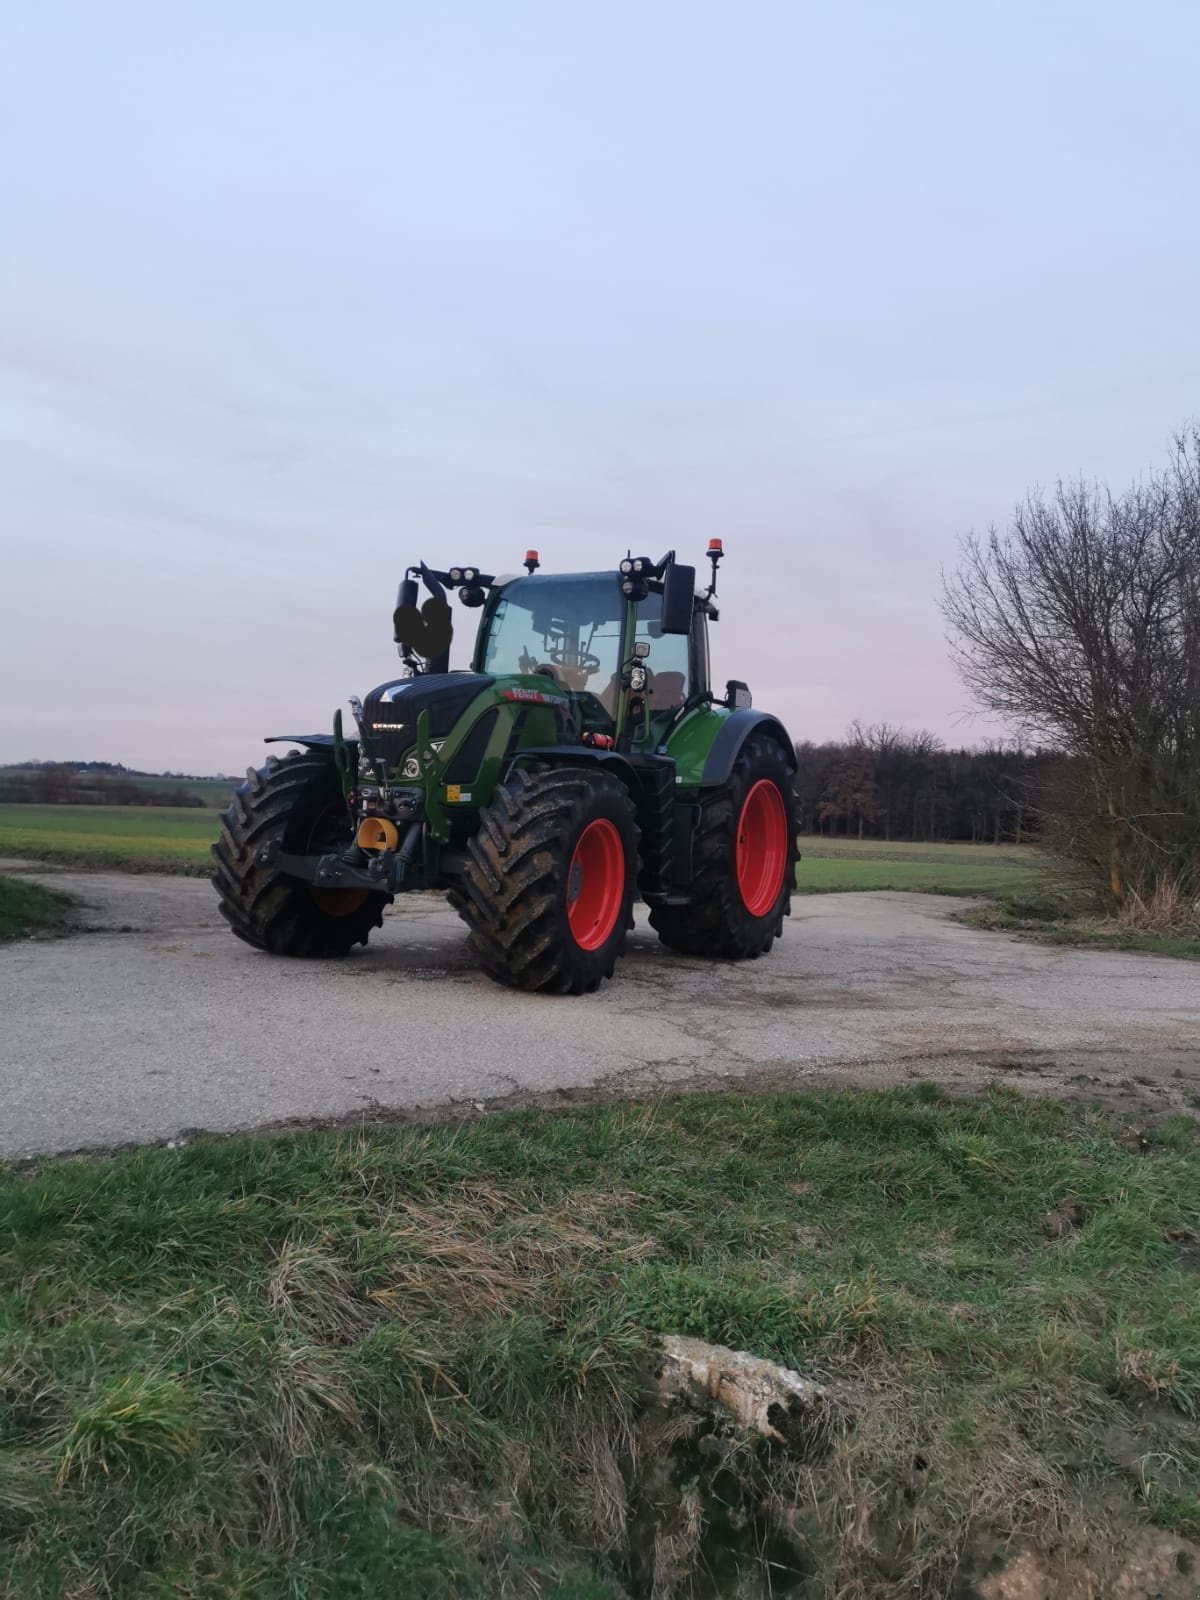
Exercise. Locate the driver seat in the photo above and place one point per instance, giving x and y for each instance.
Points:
(665, 691)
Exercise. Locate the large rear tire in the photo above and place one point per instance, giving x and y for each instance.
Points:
(547, 892)
(296, 802)
(743, 862)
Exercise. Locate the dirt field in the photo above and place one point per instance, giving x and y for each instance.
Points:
(155, 1020)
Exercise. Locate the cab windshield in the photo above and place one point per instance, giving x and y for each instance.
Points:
(566, 628)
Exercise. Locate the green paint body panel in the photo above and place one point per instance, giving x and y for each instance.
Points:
(520, 724)
(690, 741)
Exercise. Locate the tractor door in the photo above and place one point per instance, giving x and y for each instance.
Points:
(670, 673)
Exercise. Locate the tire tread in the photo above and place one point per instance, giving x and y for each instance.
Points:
(263, 906)
(715, 923)
(510, 893)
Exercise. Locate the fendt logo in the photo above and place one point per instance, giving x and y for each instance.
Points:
(534, 695)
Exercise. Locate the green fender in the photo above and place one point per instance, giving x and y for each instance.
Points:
(706, 744)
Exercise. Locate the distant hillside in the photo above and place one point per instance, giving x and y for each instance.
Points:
(107, 783)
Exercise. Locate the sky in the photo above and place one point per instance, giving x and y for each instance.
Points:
(293, 294)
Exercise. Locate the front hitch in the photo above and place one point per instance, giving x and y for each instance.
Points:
(378, 871)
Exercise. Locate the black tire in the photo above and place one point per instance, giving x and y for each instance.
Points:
(513, 895)
(717, 922)
(296, 801)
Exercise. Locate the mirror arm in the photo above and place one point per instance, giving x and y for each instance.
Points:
(432, 583)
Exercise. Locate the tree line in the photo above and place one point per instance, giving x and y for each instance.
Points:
(71, 783)
(883, 782)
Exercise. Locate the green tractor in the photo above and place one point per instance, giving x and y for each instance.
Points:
(582, 762)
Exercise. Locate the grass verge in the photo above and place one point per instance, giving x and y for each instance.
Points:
(27, 908)
(410, 1361)
(1059, 917)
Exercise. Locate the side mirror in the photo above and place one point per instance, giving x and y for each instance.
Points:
(679, 591)
(428, 632)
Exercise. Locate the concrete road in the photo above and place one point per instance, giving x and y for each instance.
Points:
(153, 1021)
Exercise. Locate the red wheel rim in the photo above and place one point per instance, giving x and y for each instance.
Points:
(339, 902)
(333, 902)
(595, 884)
(762, 847)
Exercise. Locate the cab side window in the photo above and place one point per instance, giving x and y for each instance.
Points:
(667, 665)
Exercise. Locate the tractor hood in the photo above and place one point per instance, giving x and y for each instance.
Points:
(390, 712)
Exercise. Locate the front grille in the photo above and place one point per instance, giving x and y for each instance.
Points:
(390, 712)
(388, 730)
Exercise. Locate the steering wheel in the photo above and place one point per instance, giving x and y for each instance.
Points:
(583, 659)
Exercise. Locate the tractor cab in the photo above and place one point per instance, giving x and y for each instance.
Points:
(607, 652)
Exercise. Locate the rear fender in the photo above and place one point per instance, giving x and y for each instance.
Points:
(734, 731)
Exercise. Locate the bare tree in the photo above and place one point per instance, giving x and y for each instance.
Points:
(1081, 627)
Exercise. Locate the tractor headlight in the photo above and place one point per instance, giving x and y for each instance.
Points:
(626, 566)
(470, 574)
(456, 575)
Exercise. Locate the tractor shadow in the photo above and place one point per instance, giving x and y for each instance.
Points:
(426, 943)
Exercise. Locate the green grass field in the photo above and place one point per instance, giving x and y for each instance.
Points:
(166, 839)
(129, 838)
(830, 866)
(408, 1361)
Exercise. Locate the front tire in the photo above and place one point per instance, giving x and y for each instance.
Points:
(296, 802)
(744, 862)
(547, 892)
